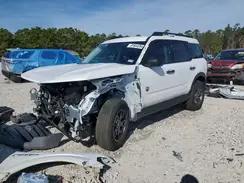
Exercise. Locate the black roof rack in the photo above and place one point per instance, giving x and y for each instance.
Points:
(169, 33)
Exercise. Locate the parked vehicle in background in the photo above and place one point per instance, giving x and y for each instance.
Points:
(17, 61)
(228, 65)
(120, 81)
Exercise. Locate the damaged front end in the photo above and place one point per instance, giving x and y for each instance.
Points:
(72, 107)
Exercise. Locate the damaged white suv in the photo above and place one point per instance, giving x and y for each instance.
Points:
(120, 81)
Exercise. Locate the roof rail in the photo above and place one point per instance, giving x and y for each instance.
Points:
(169, 33)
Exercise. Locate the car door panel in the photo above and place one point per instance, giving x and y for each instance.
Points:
(164, 82)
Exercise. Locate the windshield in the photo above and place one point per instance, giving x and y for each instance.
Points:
(123, 53)
(231, 55)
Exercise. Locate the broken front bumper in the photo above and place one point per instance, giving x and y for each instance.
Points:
(224, 74)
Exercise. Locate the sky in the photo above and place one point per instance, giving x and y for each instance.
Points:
(127, 17)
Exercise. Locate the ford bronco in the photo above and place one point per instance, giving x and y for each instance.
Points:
(120, 81)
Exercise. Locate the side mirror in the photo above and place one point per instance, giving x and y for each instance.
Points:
(153, 62)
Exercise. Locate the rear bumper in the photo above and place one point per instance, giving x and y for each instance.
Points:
(10, 74)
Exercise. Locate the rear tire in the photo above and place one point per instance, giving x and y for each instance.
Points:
(196, 98)
(112, 124)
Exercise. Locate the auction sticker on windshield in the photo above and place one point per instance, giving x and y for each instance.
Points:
(136, 46)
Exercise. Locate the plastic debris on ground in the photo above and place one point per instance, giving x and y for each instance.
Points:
(33, 178)
(225, 91)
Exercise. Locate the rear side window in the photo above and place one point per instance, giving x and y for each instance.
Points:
(50, 55)
(180, 51)
(18, 54)
(195, 50)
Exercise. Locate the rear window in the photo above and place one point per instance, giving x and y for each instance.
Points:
(196, 51)
(18, 54)
(231, 55)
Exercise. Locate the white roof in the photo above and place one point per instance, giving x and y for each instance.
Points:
(127, 39)
(144, 38)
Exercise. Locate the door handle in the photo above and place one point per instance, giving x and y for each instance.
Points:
(170, 71)
(192, 68)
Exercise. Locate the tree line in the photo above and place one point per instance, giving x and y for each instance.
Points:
(73, 39)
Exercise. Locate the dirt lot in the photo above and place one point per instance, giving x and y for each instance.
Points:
(162, 147)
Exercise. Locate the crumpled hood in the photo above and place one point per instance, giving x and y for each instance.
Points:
(76, 72)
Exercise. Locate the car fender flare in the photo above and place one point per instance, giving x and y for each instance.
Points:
(19, 161)
(199, 75)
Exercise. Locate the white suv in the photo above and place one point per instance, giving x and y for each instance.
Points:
(120, 81)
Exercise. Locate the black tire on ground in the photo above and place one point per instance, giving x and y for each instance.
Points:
(196, 98)
(112, 124)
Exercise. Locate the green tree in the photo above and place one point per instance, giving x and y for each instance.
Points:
(6, 40)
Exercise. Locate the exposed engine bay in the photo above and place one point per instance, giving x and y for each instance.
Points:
(72, 107)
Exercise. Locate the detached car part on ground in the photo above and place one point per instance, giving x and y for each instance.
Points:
(25, 132)
(17, 61)
(225, 91)
(228, 65)
(18, 161)
(120, 81)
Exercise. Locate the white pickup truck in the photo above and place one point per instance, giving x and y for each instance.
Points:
(120, 81)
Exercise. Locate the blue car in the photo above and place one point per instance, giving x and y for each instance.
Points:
(16, 61)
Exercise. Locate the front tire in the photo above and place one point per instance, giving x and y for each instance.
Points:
(112, 124)
(196, 98)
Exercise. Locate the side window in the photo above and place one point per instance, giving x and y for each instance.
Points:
(195, 50)
(69, 58)
(49, 55)
(158, 49)
(180, 51)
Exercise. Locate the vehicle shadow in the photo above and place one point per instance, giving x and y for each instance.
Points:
(143, 122)
(189, 179)
(154, 118)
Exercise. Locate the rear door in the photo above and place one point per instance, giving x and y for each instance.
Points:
(198, 64)
(48, 57)
(180, 64)
(168, 80)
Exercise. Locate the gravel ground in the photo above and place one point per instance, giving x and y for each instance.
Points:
(164, 147)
